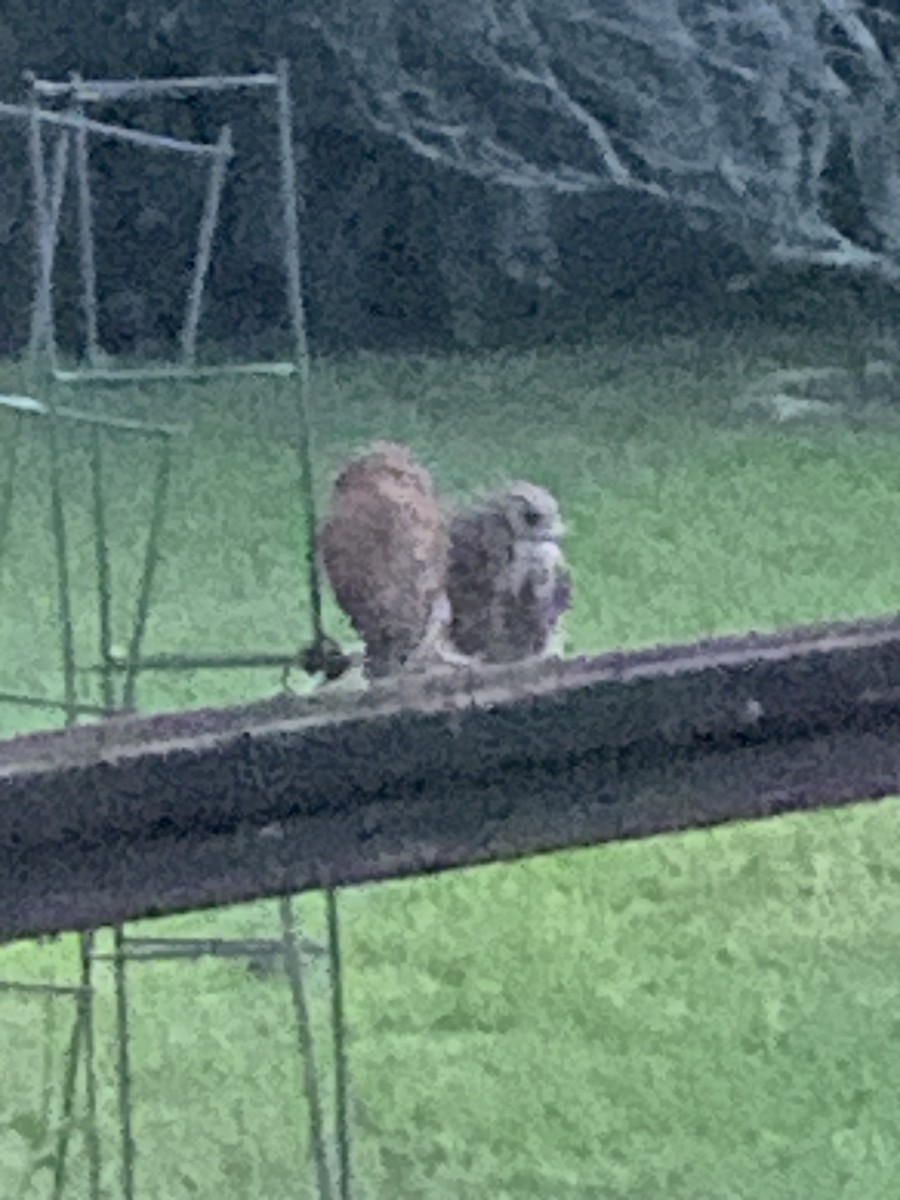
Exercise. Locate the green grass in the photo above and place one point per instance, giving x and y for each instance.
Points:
(708, 1015)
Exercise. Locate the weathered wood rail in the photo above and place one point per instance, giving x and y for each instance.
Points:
(142, 815)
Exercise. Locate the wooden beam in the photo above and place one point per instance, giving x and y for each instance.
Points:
(141, 815)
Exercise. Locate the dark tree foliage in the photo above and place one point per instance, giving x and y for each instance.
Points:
(472, 170)
(372, 274)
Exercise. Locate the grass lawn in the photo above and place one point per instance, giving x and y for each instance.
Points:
(697, 1017)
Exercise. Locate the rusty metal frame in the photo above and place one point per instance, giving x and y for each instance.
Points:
(105, 823)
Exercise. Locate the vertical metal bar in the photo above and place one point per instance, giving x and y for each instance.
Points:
(58, 178)
(60, 541)
(86, 1007)
(9, 486)
(58, 185)
(104, 586)
(39, 208)
(86, 245)
(83, 1031)
(46, 223)
(65, 1130)
(86, 941)
(49, 1036)
(46, 228)
(294, 968)
(124, 1065)
(151, 558)
(289, 198)
(298, 324)
(104, 594)
(339, 1035)
(204, 246)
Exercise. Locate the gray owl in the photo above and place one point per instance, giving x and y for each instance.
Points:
(507, 580)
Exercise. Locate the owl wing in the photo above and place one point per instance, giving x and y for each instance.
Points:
(562, 593)
(532, 612)
(477, 567)
(383, 549)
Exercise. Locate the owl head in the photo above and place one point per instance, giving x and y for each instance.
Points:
(532, 512)
(384, 458)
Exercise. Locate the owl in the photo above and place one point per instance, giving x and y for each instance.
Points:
(507, 580)
(384, 548)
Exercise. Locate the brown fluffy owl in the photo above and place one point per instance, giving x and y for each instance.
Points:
(384, 547)
(507, 580)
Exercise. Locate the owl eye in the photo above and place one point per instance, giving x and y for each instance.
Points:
(531, 517)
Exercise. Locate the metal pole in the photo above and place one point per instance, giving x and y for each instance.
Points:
(57, 190)
(71, 1077)
(51, 704)
(298, 324)
(289, 198)
(86, 1008)
(84, 1018)
(124, 1065)
(48, 1037)
(60, 540)
(39, 204)
(204, 246)
(58, 179)
(294, 967)
(111, 377)
(339, 1035)
(46, 225)
(9, 486)
(87, 249)
(122, 89)
(176, 663)
(151, 558)
(117, 133)
(104, 586)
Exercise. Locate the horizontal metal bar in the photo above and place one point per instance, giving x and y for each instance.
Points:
(19, 112)
(24, 404)
(189, 945)
(108, 823)
(37, 408)
(41, 989)
(176, 663)
(165, 374)
(119, 133)
(89, 90)
(162, 949)
(50, 704)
